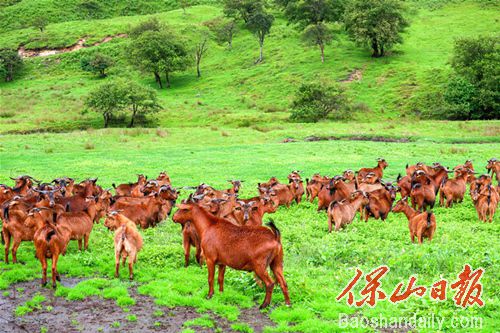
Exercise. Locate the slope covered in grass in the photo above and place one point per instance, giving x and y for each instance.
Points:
(233, 91)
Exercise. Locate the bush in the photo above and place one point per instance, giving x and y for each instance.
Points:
(97, 63)
(315, 102)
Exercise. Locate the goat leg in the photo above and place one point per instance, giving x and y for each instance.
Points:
(222, 270)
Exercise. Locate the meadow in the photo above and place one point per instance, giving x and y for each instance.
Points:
(318, 265)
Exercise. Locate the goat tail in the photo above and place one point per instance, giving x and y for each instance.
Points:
(429, 216)
(6, 213)
(49, 235)
(489, 195)
(443, 182)
(114, 185)
(307, 181)
(406, 165)
(275, 229)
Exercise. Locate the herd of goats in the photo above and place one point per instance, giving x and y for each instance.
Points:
(227, 230)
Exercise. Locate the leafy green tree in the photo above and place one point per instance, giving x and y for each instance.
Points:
(152, 24)
(159, 52)
(314, 102)
(10, 63)
(108, 99)
(97, 63)
(91, 9)
(473, 93)
(260, 25)
(377, 23)
(40, 22)
(318, 34)
(141, 100)
(311, 17)
(223, 30)
(184, 5)
(242, 9)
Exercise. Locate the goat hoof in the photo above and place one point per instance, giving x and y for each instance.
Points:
(54, 286)
(263, 306)
(131, 277)
(209, 296)
(58, 278)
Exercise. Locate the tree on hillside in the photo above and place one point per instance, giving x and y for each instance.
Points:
(223, 30)
(377, 23)
(159, 52)
(10, 63)
(312, 16)
(242, 9)
(260, 25)
(40, 22)
(314, 102)
(472, 92)
(108, 99)
(89, 8)
(97, 63)
(141, 100)
(152, 24)
(184, 5)
(201, 48)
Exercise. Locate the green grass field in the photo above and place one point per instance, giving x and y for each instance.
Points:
(231, 123)
(317, 265)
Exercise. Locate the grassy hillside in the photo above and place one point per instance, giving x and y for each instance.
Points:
(234, 92)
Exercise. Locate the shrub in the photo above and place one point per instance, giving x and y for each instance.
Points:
(315, 102)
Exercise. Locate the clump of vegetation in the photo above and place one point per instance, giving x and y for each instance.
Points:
(314, 102)
(377, 23)
(158, 50)
(97, 63)
(223, 30)
(115, 97)
(473, 93)
(10, 63)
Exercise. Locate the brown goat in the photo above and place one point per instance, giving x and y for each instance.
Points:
(420, 224)
(245, 248)
(313, 187)
(422, 196)
(404, 184)
(128, 241)
(486, 202)
(13, 227)
(380, 202)
(493, 166)
(453, 189)
(51, 240)
(336, 190)
(80, 223)
(378, 170)
(343, 212)
(126, 189)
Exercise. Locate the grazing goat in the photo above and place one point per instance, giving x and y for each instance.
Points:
(128, 241)
(420, 224)
(248, 248)
(343, 212)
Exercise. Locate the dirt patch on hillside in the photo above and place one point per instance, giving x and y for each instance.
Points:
(314, 138)
(355, 75)
(95, 314)
(80, 44)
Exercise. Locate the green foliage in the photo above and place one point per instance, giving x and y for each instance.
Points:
(152, 24)
(475, 93)
(40, 22)
(259, 23)
(10, 63)
(97, 63)
(223, 30)
(34, 304)
(242, 9)
(314, 102)
(311, 16)
(377, 23)
(108, 99)
(159, 52)
(141, 100)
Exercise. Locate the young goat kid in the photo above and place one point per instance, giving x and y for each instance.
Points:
(128, 241)
(343, 212)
